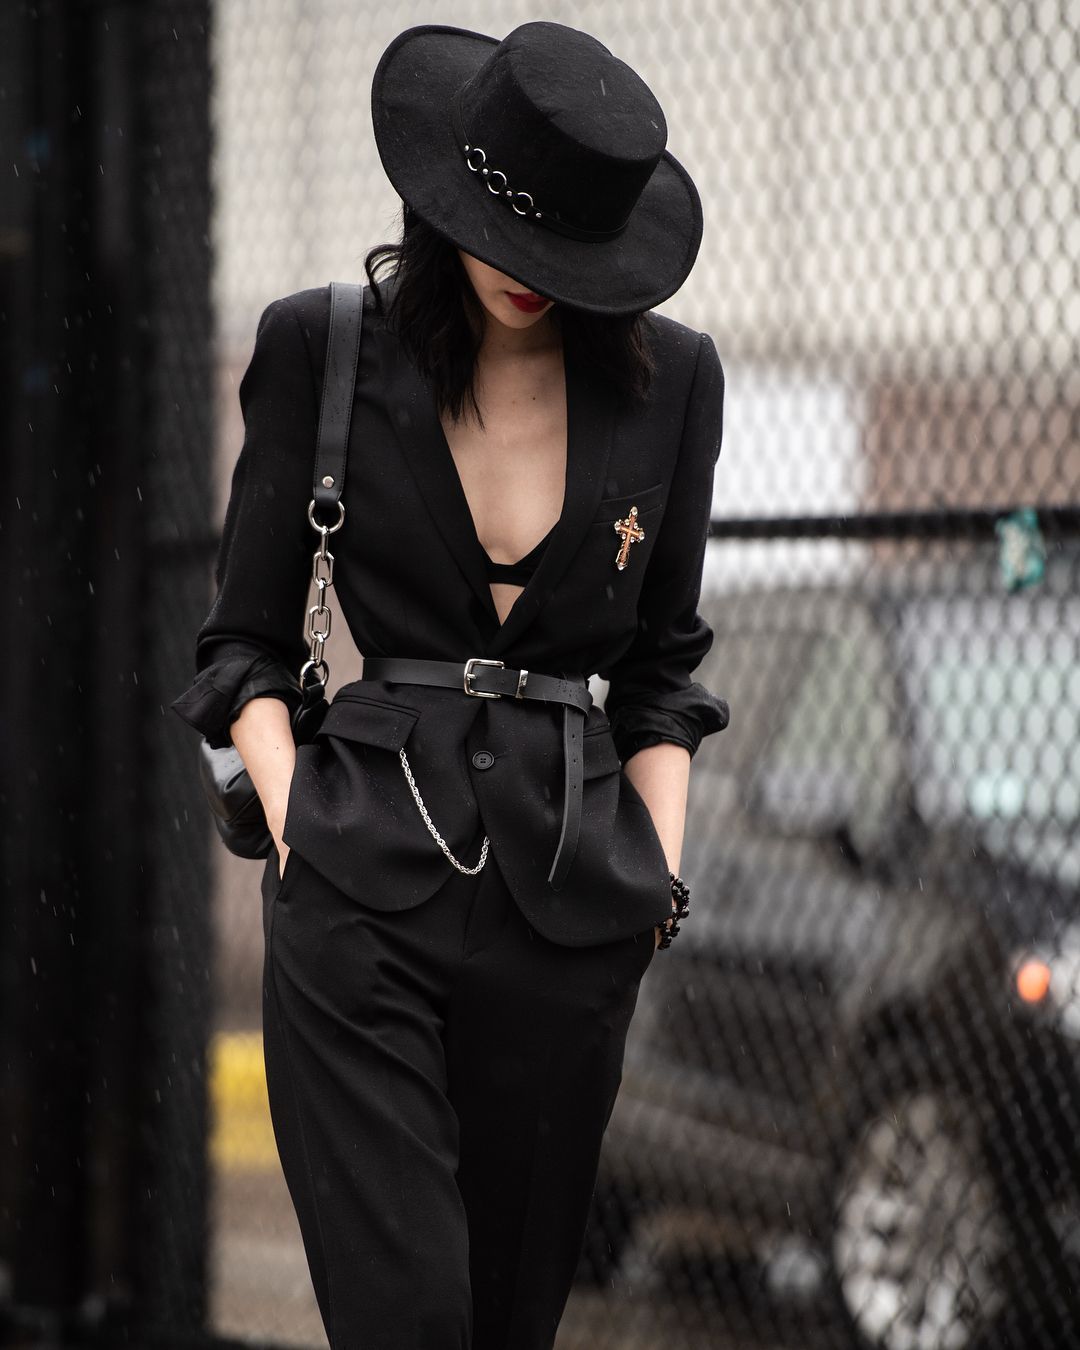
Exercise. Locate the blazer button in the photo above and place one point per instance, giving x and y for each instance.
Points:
(483, 759)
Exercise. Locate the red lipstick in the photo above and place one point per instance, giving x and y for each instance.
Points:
(527, 301)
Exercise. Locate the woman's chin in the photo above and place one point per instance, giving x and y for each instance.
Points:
(509, 316)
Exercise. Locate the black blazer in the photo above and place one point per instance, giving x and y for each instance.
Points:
(410, 580)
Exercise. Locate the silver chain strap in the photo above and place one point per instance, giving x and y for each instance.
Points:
(469, 871)
(319, 616)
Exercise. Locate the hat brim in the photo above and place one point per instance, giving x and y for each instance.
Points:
(410, 109)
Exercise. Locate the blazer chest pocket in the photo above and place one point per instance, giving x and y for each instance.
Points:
(612, 509)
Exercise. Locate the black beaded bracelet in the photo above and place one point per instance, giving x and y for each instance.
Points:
(680, 895)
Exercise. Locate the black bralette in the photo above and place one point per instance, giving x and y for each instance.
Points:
(518, 573)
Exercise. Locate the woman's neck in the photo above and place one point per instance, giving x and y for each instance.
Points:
(501, 343)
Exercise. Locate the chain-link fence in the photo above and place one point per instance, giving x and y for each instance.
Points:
(852, 1087)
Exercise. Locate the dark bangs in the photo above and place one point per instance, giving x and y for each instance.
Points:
(439, 320)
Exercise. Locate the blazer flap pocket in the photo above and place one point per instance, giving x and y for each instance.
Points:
(615, 508)
(370, 722)
(598, 753)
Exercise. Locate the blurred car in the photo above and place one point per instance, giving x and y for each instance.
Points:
(859, 1061)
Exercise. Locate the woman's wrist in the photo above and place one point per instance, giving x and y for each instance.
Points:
(680, 906)
(264, 738)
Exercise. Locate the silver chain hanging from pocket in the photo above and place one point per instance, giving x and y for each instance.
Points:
(468, 871)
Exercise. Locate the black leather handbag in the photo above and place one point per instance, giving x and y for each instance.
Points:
(237, 810)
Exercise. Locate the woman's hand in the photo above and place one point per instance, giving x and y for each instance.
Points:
(661, 774)
(276, 825)
(263, 735)
(660, 928)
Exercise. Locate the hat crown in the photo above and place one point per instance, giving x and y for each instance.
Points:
(565, 121)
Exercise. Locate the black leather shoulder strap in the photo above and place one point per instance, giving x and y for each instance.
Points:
(338, 393)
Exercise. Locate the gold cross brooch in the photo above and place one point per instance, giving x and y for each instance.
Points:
(629, 532)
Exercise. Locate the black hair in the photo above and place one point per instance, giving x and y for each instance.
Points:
(439, 320)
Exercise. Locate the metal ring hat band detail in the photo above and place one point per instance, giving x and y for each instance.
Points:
(511, 195)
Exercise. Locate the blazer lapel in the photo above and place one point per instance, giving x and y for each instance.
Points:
(420, 434)
(589, 424)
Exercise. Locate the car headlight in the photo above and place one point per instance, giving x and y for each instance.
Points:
(1050, 978)
(1033, 979)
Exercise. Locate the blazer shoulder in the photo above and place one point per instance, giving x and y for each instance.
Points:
(311, 307)
(682, 353)
(308, 309)
(312, 303)
(672, 335)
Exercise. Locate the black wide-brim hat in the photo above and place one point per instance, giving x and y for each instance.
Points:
(542, 155)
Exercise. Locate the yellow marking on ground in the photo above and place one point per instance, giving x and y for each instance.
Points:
(241, 1134)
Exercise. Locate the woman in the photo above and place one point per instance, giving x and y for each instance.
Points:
(474, 863)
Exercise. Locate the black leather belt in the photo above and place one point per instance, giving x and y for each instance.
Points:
(483, 678)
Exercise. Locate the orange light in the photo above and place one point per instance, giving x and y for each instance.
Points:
(1033, 980)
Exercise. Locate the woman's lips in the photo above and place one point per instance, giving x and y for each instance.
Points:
(527, 301)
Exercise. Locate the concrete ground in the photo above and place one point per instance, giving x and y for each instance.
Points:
(262, 1291)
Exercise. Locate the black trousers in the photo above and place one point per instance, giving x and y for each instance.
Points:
(440, 1079)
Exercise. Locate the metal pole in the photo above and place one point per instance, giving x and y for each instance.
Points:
(106, 416)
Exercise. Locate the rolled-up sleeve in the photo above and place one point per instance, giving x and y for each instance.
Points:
(651, 697)
(252, 641)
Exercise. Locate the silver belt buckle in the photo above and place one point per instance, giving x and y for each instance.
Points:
(474, 661)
